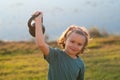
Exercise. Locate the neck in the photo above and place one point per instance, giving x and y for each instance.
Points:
(72, 56)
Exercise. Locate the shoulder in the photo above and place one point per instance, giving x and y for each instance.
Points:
(81, 62)
(54, 50)
(53, 55)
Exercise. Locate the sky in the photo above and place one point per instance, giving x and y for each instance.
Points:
(57, 16)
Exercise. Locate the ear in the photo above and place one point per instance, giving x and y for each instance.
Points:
(65, 40)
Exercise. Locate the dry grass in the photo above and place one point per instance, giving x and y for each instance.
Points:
(24, 61)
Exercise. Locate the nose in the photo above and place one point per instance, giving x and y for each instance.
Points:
(75, 46)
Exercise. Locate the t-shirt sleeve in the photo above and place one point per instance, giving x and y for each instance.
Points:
(81, 74)
(52, 56)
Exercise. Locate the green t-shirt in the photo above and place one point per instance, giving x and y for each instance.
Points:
(63, 67)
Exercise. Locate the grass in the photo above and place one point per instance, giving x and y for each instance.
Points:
(23, 67)
(24, 61)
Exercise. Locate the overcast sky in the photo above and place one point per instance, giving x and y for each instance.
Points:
(58, 15)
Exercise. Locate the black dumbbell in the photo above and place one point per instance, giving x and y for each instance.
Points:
(31, 25)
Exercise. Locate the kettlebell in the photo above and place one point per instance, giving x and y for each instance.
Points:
(31, 25)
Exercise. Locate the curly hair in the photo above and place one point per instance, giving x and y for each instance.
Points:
(77, 29)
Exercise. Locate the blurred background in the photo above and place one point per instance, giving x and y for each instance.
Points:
(58, 15)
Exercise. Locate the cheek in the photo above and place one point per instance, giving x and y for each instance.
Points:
(81, 47)
(67, 44)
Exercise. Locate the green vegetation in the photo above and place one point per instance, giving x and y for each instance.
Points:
(24, 61)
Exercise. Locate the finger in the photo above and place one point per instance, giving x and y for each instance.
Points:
(36, 13)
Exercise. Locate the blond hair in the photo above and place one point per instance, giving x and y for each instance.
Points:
(73, 28)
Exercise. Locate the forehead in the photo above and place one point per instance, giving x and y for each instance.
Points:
(76, 37)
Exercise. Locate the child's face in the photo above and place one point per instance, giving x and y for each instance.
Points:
(74, 43)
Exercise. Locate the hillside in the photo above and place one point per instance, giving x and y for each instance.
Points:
(24, 61)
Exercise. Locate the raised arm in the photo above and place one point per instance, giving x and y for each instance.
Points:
(39, 37)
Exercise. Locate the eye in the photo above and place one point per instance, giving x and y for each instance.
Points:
(72, 41)
(79, 44)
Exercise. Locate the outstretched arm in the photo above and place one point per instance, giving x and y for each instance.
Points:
(39, 37)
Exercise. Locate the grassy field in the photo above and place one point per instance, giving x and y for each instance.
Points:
(24, 61)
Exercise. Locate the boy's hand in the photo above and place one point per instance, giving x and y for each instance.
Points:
(38, 16)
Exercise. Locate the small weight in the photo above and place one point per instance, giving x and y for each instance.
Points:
(31, 25)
